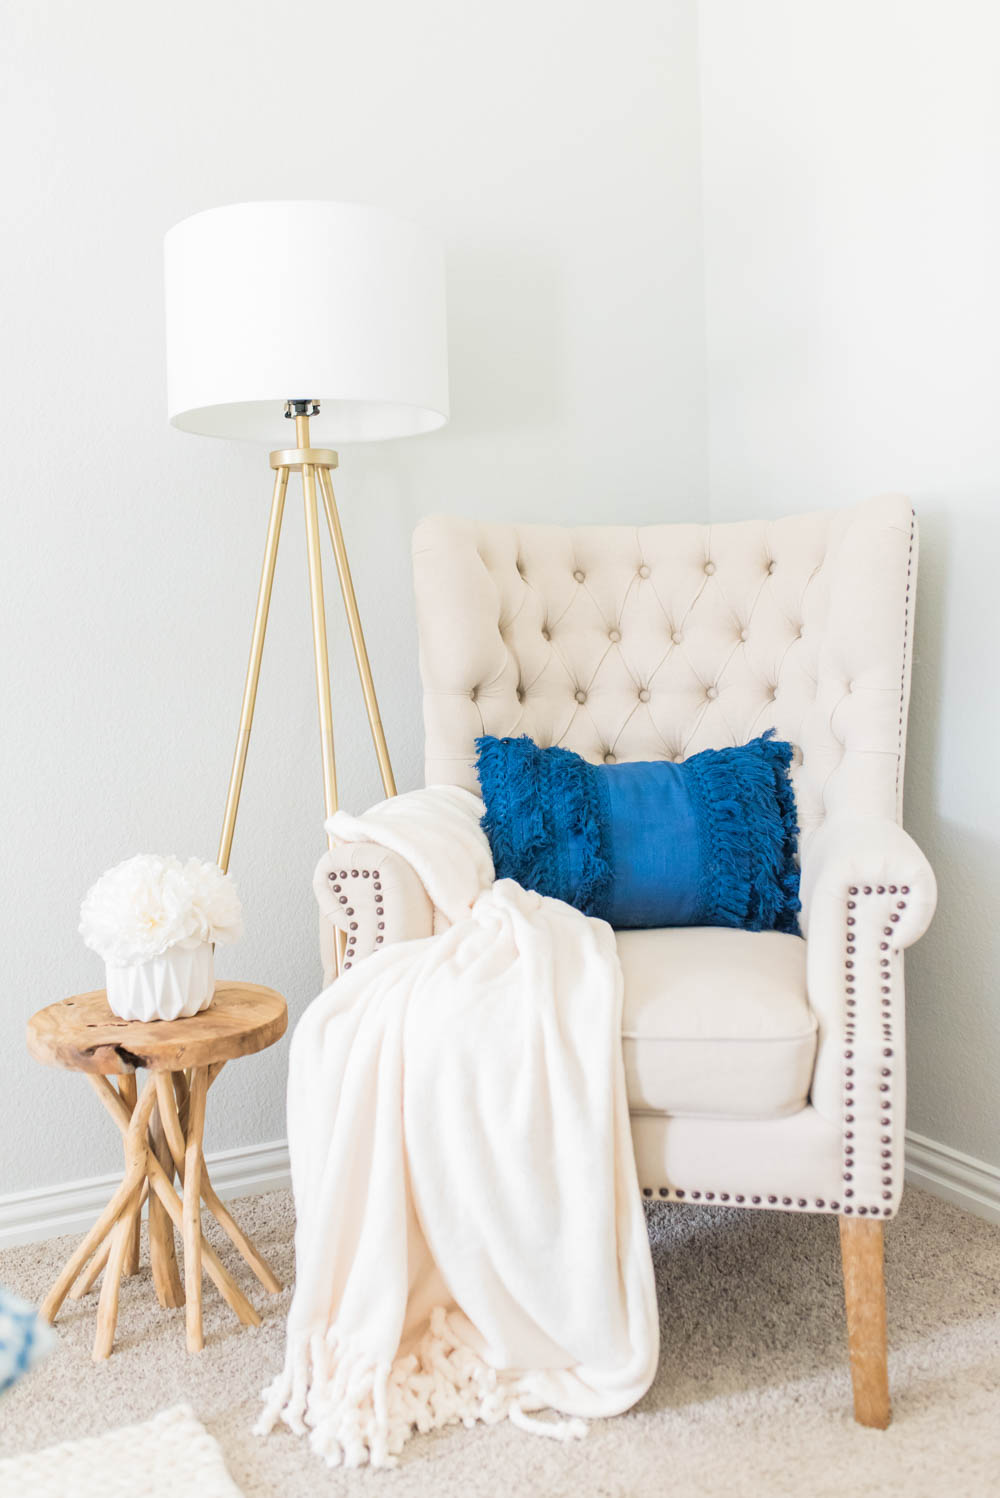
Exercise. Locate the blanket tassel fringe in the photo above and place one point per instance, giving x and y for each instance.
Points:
(360, 1412)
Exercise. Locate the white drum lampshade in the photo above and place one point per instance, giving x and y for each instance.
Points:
(335, 302)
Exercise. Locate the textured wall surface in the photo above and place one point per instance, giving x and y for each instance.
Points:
(852, 236)
(558, 158)
(821, 180)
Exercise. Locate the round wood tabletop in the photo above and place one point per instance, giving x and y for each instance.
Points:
(83, 1034)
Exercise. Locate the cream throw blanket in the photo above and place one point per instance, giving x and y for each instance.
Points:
(470, 1240)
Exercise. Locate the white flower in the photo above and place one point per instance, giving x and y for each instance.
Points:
(144, 906)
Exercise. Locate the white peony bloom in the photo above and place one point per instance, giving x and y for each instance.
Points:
(144, 906)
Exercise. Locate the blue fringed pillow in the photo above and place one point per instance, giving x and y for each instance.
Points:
(708, 842)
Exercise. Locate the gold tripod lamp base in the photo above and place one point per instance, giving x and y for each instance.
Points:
(315, 464)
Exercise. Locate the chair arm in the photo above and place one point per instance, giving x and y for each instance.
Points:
(867, 851)
(867, 893)
(372, 895)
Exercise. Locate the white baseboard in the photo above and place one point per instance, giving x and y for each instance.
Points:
(73, 1207)
(29, 1216)
(958, 1178)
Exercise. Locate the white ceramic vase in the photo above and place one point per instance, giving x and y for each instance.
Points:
(174, 986)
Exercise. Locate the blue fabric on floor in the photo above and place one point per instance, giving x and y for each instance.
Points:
(24, 1338)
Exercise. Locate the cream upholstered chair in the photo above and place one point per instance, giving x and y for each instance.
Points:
(764, 1071)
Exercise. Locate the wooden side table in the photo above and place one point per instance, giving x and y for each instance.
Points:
(162, 1128)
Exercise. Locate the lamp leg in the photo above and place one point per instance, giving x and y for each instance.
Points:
(253, 667)
(320, 651)
(357, 633)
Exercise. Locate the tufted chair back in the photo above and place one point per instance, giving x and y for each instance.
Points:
(653, 642)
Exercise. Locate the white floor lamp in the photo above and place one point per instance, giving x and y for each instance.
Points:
(334, 314)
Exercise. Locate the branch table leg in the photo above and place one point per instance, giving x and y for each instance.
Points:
(214, 1267)
(158, 1181)
(175, 1136)
(162, 1253)
(124, 1230)
(158, 1144)
(192, 1208)
(131, 1184)
(128, 1087)
(88, 1277)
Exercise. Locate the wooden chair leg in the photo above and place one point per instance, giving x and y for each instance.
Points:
(864, 1299)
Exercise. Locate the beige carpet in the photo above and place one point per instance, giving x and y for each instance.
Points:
(752, 1396)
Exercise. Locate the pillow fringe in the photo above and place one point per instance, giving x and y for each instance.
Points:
(751, 876)
(509, 783)
(517, 780)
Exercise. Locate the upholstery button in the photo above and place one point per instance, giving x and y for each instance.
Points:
(520, 694)
(643, 695)
(678, 759)
(581, 696)
(743, 634)
(709, 568)
(610, 759)
(474, 693)
(770, 567)
(546, 635)
(614, 636)
(643, 571)
(712, 692)
(677, 637)
(579, 575)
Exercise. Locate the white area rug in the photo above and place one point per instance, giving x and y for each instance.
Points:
(166, 1457)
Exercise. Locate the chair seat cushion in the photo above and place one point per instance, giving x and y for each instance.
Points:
(716, 1022)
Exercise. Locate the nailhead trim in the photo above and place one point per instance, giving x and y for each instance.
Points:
(885, 1002)
(849, 1149)
(374, 876)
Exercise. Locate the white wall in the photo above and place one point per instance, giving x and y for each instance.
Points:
(851, 201)
(851, 153)
(555, 148)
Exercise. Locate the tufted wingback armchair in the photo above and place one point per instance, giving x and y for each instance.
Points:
(764, 1071)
